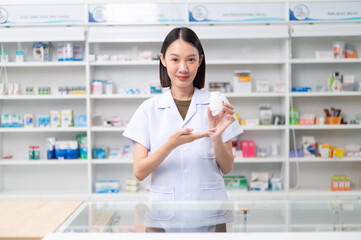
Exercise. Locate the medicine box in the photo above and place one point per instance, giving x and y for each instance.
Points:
(236, 182)
(67, 118)
(106, 186)
(242, 81)
(55, 118)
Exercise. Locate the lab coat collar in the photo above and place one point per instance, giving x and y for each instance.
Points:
(199, 97)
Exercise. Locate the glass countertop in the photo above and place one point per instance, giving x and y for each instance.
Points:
(215, 216)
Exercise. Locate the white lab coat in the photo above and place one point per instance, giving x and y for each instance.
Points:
(190, 172)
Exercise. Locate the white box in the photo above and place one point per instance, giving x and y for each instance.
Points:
(324, 54)
(106, 186)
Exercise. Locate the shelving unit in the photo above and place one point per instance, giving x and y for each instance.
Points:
(279, 53)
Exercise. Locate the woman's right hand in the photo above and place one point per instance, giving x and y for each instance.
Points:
(183, 136)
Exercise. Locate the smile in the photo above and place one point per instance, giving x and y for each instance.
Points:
(182, 77)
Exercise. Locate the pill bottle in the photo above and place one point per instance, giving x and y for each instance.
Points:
(216, 101)
(31, 152)
(4, 56)
(19, 56)
(36, 152)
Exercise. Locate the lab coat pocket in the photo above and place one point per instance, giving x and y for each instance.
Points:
(213, 191)
(205, 146)
(161, 193)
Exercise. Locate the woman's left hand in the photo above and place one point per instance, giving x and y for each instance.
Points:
(222, 120)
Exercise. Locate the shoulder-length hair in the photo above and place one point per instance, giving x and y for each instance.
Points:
(188, 35)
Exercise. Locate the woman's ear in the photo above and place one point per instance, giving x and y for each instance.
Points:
(162, 59)
(200, 60)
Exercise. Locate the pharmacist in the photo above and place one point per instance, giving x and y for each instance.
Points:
(178, 140)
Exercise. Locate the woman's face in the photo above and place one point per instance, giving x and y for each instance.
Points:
(182, 61)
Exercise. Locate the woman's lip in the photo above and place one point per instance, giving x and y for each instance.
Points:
(182, 77)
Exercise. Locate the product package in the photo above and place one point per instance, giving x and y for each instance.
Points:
(82, 146)
(242, 81)
(80, 120)
(55, 118)
(43, 121)
(309, 146)
(106, 186)
(29, 120)
(265, 114)
(259, 181)
(236, 182)
(67, 118)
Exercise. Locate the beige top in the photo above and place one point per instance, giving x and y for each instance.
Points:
(182, 106)
(33, 219)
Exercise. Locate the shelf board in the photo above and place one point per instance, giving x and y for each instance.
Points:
(335, 60)
(54, 162)
(260, 194)
(43, 97)
(259, 160)
(45, 64)
(49, 194)
(245, 61)
(318, 159)
(263, 127)
(125, 63)
(123, 96)
(325, 127)
(322, 192)
(209, 62)
(254, 94)
(112, 161)
(143, 195)
(35, 130)
(107, 129)
(325, 94)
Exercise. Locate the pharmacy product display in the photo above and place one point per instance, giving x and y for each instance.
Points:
(280, 78)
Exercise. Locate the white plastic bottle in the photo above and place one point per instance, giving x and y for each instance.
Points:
(216, 102)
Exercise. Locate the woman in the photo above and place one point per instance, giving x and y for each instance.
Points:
(177, 138)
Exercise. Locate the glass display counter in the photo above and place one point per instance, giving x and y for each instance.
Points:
(247, 219)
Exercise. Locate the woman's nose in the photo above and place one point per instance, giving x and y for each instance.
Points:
(183, 67)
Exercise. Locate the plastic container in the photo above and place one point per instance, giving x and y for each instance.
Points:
(215, 101)
(36, 152)
(4, 56)
(333, 120)
(339, 50)
(97, 87)
(31, 152)
(19, 56)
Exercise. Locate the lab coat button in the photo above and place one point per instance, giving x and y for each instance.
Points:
(186, 171)
(188, 195)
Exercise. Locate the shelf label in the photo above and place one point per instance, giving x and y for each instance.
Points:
(237, 12)
(146, 13)
(325, 11)
(42, 14)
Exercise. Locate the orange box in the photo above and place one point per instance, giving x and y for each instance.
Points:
(333, 120)
(334, 183)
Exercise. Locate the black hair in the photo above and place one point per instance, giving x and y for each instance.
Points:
(188, 35)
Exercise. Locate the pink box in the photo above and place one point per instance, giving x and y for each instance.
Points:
(248, 149)
(307, 121)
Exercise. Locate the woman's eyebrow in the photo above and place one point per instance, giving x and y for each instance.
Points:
(191, 55)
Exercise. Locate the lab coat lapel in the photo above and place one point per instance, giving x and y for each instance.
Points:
(199, 97)
(166, 101)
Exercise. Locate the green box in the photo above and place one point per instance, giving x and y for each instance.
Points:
(294, 116)
(236, 182)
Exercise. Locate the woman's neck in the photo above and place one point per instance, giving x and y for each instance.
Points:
(182, 93)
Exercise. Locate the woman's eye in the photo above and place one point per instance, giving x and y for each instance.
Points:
(174, 59)
(192, 59)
